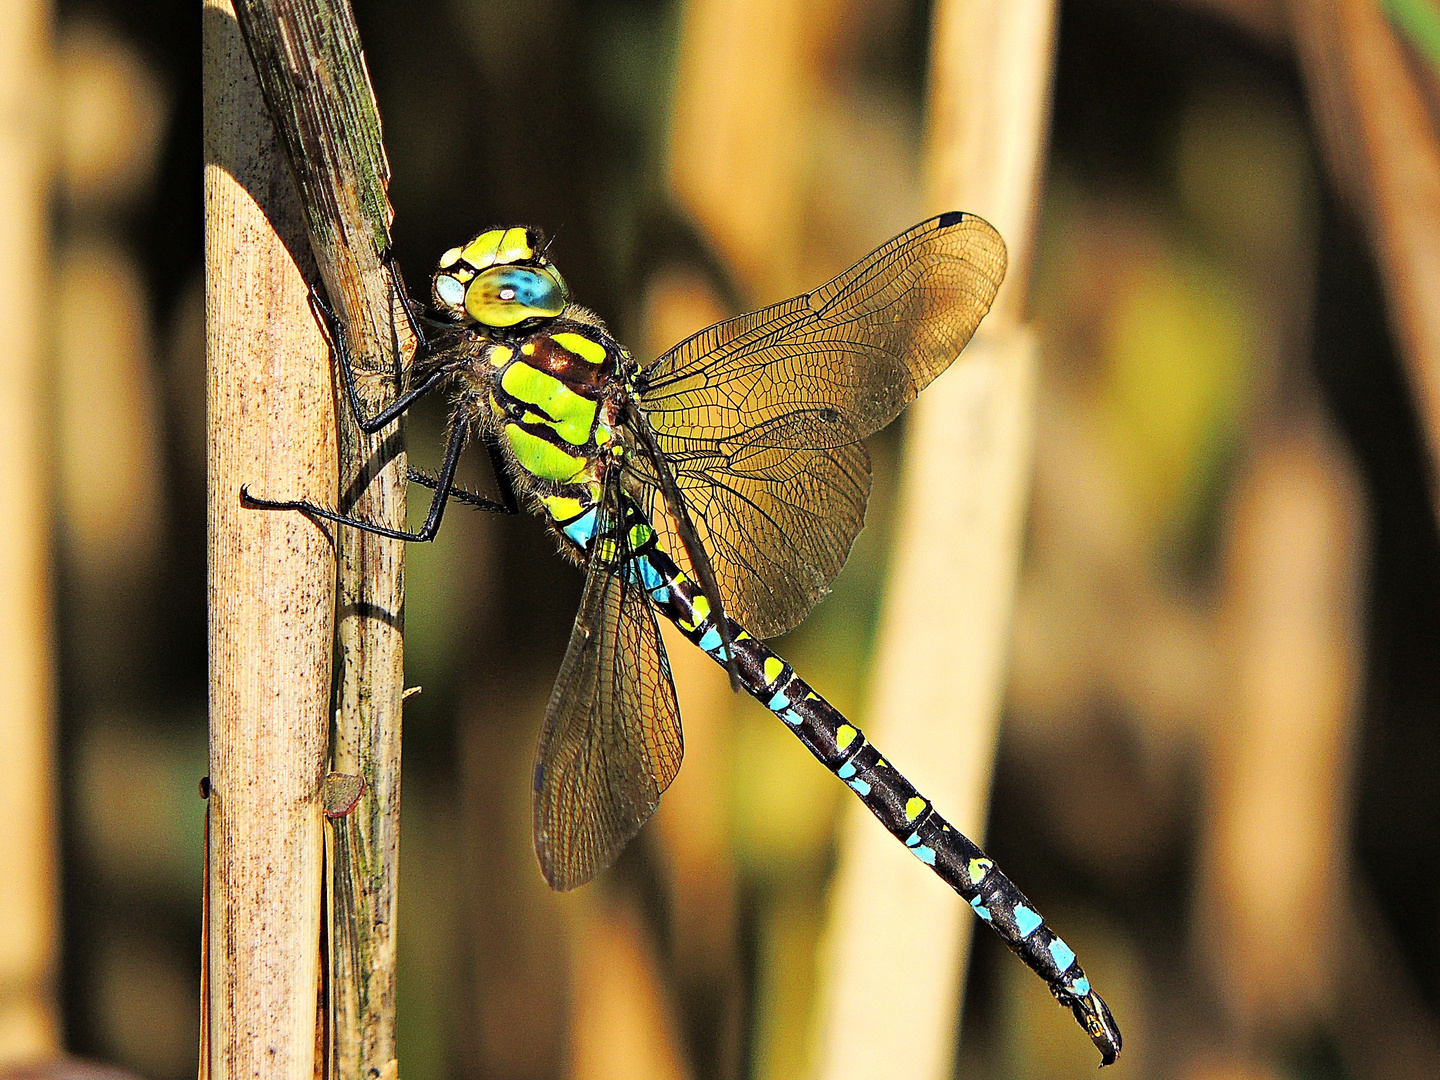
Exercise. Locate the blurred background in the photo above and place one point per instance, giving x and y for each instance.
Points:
(1219, 765)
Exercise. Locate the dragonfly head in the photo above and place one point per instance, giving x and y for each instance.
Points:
(498, 280)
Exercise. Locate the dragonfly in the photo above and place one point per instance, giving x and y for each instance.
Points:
(719, 487)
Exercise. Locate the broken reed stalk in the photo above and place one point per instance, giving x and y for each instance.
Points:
(270, 422)
(312, 72)
(1382, 149)
(29, 931)
(939, 676)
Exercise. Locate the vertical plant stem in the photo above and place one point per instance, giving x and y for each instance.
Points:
(943, 638)
(312, 71)
(271, 583)
(1382, 149)
(29, 1026)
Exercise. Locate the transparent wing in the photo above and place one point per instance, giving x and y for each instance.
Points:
(761, 416)
(611, 743)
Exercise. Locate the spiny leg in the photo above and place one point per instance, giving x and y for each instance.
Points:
(509, 504)
(422, 343)
(443, 484)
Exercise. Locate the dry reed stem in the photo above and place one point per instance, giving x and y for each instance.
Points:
(271, 426)
(312, 71)
(1282, 752)
(1381, 146)
(622, 1025)
(29, 1024)
(737, 146)
(944, 634)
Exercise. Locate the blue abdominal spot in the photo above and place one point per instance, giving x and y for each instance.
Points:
(582, 529)
(650, 577)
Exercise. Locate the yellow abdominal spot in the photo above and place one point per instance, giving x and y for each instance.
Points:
(500, 355)
(773, 667)
(914, 807)
(845, 735)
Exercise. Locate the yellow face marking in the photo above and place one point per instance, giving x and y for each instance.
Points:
(914, 807)
(602, 435)
(514, 247)
(773, 667)
(480, 252)
(449, 259)
(591, 352)
(500, 355)
(845, 735)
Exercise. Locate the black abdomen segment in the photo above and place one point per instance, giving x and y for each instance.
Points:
(907, 814)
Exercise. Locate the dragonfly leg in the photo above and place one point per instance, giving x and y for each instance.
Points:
(508, 504)
(393, 266)
(444, 484)
(335, 332)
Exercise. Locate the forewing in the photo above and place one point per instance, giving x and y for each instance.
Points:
(761, 415)
(611, 743)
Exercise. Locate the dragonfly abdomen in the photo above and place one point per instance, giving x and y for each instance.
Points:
(908, 815)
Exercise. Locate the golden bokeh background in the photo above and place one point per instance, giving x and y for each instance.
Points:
(1219, 766)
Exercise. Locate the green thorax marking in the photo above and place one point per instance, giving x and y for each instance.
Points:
(550, 387)
(569, 415)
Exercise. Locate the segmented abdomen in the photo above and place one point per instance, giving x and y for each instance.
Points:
(907, 814)
(844, 750)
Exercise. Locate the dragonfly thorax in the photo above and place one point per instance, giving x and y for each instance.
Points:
(554, 397)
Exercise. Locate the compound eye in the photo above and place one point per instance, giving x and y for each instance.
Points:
(506, 295)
